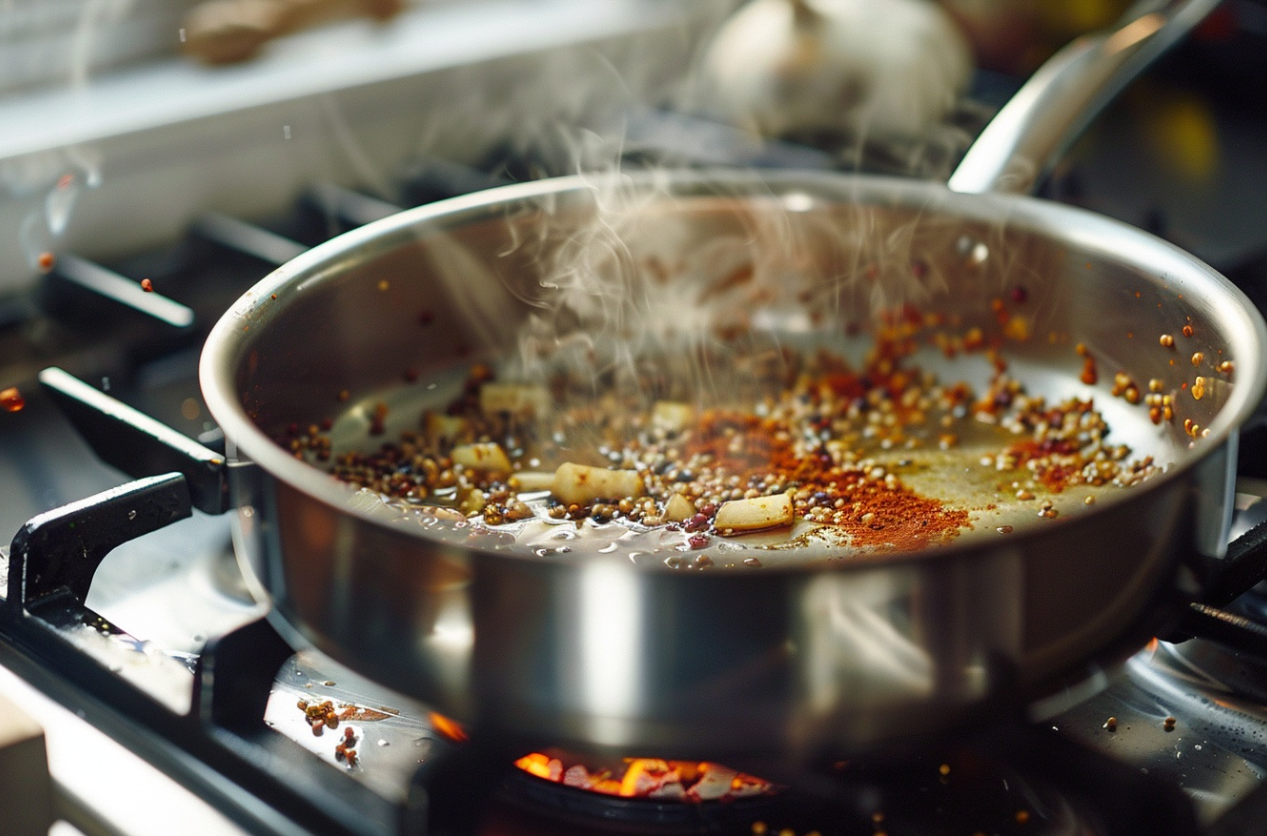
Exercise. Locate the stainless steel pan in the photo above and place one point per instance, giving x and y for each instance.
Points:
(795, 660)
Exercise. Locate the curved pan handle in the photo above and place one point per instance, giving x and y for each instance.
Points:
(1026, 137)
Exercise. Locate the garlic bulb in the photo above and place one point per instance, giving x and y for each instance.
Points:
(863, 67)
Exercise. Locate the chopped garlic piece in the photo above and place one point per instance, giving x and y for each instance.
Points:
(515, 398)
(679, 508)
(672, 415)
(484, 456)
(473, 502)
(754, 514)
(439, 427)
(529, 481)
(578, 484)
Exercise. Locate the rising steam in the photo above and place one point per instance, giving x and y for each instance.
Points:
(631, 287)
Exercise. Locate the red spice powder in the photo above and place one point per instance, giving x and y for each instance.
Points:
(874, 513)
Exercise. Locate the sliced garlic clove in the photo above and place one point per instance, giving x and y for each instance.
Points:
(578, 484)
(755, 514)
(483, 456)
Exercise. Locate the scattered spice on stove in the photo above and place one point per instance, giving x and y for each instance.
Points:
(1226, 367)
(1110, 724)
(46, 261)
(1187, 331)
(1198, 388)
(759, 828)
(944, 769)
(1168, 724)
(11, 399)
(1022, 816)
(1005, 529)
(1166, 340)
(147, 285)
(1198, 358)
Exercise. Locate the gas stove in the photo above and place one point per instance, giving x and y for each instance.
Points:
(146, 693)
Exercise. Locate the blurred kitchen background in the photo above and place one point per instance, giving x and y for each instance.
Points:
(124, 120)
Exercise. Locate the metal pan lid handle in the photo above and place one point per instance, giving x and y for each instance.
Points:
(1028, 134)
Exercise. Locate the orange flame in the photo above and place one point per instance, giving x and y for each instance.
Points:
(642, 776)
(450, 729)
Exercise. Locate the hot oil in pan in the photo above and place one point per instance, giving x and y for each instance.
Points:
(875, 460)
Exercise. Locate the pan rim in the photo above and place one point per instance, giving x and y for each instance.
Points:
(1173, 268)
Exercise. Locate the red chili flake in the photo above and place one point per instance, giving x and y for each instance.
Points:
(147, 285)
(11, 400)
(46, 261)
(1019, 294)
(65, 181)
(698, 541)
(1187, 330)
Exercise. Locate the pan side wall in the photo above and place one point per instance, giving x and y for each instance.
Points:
(594, 654)
(741, 663)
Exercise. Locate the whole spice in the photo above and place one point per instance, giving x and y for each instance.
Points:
(820, 446)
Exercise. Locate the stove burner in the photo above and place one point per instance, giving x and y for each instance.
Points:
(1011, 781)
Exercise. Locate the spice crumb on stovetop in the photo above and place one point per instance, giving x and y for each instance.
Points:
(1169, 724)
(46, 262)
(147, 285)
(1110, 724)
(1022, 816)
(11, 400)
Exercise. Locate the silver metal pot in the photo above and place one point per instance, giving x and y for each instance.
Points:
(796, 661)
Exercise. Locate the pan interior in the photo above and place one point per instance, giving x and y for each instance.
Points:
(397, 313)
